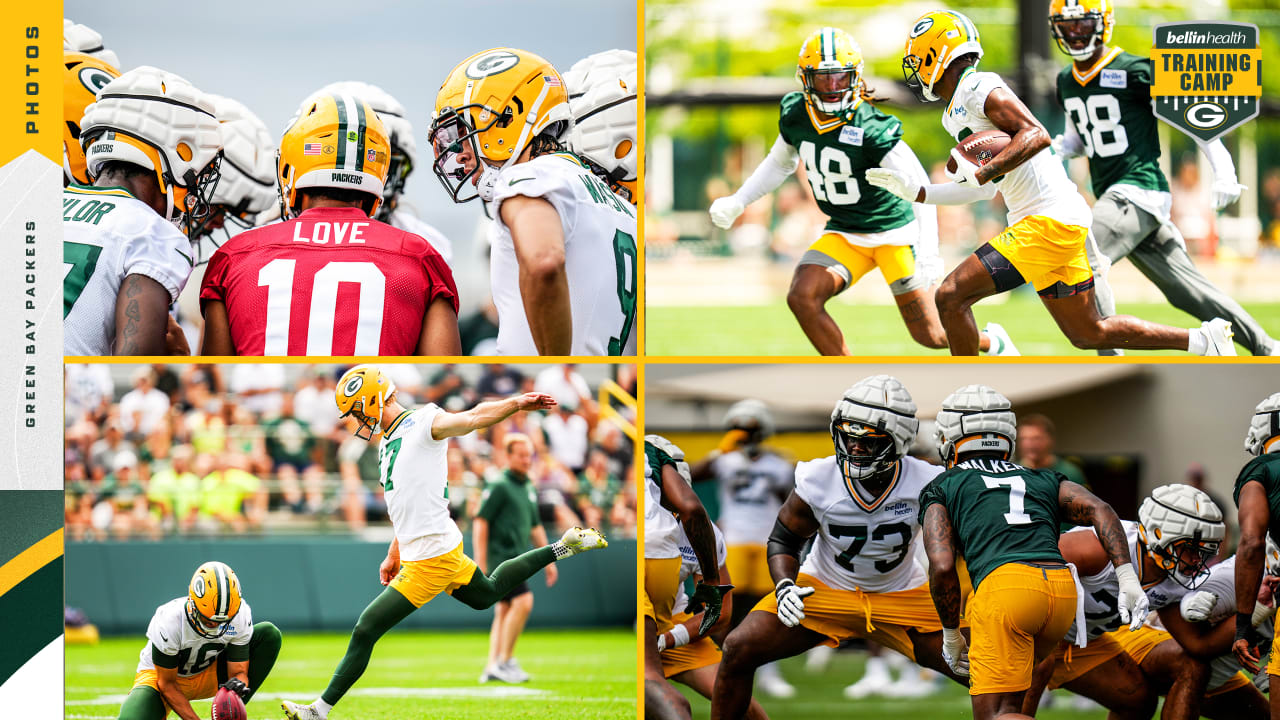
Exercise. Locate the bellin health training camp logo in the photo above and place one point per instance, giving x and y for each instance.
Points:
(1208, 76)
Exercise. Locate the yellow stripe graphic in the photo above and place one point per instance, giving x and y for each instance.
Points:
(30, 560)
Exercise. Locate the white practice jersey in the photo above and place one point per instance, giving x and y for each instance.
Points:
(1102, 591)
(107, 235)
(1222, 583)
(689, 565)
(600, 257)
(413, 469)
(661, 529)
(751, 494)
(1039, 186)
(172, 634)
(403, 219)
(864, 543)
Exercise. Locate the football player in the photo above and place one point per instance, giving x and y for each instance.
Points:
(152, 148)
(563, 267)
(77, 38)
(1106, 93)
(1179, 530)
(833, 127)
(199, 643)
(425, 557)
(1003, 520)
(602, 96)
(1045, 242)
(246, 192)
(85, 76)
(861, 578)
(330, 280)
(753, 482)
(1257, 495)
(404, 158)
(671, 505)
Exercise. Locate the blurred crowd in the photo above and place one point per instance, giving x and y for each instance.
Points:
(250, 449)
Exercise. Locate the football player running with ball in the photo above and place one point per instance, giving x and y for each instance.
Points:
(1045, 242)
(1003, 519)
(330, 280)
(199, 643)
(833, 127)
(152, 148)
(861, 579)
(1106, 94)
(563, 265)
(425, 558)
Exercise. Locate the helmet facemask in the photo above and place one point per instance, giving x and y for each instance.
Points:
(825, 91)
(206, 627)
(458, 160)
(911, 66)
(1073, 27)
(399, 165)
(366, 423)
(862, 451)
(1186, 560)
(197, 201)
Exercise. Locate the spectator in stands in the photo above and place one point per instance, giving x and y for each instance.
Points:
(563, 383)
(447, 388)
(259, 387)
(175, 492)
(124, 498)
(103, 452)
(291, 446)
(88, 392)
(568, 433)
(1190, 210)
(231, 497)
(78, 501)
(464, 489)
(499, 381)
(597, 490)
(144, 407)
(1036, 445)
(619, 453)
(167, 381)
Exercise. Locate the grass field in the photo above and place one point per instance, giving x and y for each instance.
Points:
(583, 675)
(878, 329)
(819, 696)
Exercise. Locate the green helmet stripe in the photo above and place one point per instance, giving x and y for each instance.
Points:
(360, 131)
(341, 160)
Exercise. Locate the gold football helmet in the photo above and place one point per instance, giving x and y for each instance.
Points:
(362, 393)
(85, 76)
(936, 39)
(489, 109)
(213, 599)
(335, 141)
(830, 69)
(1079, 25)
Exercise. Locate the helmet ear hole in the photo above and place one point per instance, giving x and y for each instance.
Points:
(623, 148)
(184, 151)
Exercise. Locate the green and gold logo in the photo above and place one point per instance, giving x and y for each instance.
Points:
(1208, 76)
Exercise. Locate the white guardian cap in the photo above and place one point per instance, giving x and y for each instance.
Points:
(1264, 427)
(975, 418)
(877, 412)
(1182, 528)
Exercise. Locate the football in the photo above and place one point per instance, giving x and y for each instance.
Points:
(979, 148)
(228, 706)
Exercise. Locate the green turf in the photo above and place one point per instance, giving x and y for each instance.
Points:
(878, 329)
(820, 695)
(583, 675)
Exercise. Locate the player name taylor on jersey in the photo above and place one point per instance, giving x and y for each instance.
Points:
(864, 543)
(1110, 107)
(171, 634)
(751, 492)
(108, 235)
(1001, 512)
(413, 469)
(599, 257)
(836, 155)
(329, 282)
(1039, 186)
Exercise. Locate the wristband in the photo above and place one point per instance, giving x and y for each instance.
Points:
(1244, 626)
(680, 636)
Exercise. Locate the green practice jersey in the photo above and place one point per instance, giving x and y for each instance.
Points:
(1111, 110)
(656, 458)
(1002, 512)
(1264, 469)
(836, 156)
(510, 505)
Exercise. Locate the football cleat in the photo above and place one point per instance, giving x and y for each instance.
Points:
(362, 393)
(973, 417)
(1001, 344)
(1219, 334)
(579, 540)
(769, 679)
(294, 711)
(936, 39)
(213, 599)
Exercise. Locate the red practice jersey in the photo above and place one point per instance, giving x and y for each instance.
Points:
(330, 282)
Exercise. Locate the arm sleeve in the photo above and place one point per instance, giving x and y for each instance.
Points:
(1224, 169)
(777, 166)
(160, 659)
(1072, 143)
(950, 193)
(902, 159)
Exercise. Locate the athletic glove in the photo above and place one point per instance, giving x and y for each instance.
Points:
(1197, 606)
(955, 651)
(966, 173)
(1225, 192)
(1065, 147)
(732, 440)
(791, 601)
(1133, 601)
(894, 181)
(238, 687)
(711, 597)
(725, 210)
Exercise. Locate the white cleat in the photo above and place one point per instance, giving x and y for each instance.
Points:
(869, 685)
(294, 711)
(1219, 334)
(771, 682)
(1001, 344)
(579, 540)
(911, 685)
(514, 671)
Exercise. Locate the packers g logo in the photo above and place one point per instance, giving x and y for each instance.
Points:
(94, 79)
(353, 386)
(492, 63)
(197, 586)
(1205, 115)
(921, 27)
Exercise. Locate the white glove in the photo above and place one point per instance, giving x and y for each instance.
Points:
(1133, 601)
(1262, 613)
(1061, 147)
(1197, 606)
(931, 269)
(1225, 192)
(725, 210)
(966, 172)
(791, 601)
(895, 182)
(955, 651)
